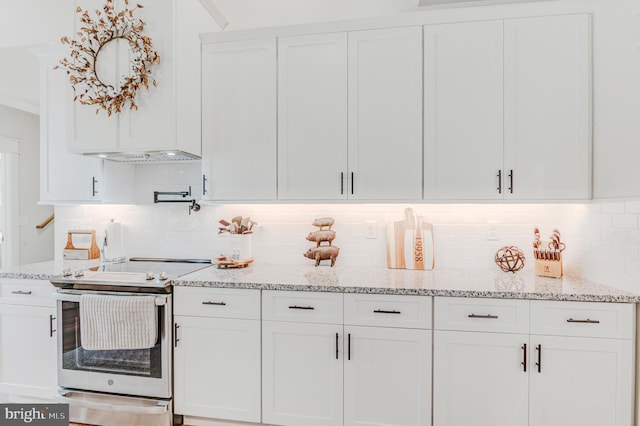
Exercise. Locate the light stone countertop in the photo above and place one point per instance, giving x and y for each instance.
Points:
(46, 270)
(491, 283)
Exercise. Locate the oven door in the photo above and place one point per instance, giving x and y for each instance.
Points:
(142, 372)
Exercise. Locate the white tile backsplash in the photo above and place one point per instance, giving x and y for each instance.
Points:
(603, 238)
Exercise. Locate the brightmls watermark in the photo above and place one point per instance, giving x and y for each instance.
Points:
(34, 414)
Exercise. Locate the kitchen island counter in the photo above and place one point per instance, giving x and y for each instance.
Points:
(376, 280)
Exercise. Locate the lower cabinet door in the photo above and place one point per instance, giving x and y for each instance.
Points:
(302, 370)
(28, 347)
(387, 376)
(480, 379)
(581, 381)
(217, 368)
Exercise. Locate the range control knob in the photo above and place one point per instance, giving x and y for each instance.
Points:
(163, 276)
(79, 273)
(150, 275)
(66, 272)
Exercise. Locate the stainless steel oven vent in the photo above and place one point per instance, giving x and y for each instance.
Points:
(146, 156)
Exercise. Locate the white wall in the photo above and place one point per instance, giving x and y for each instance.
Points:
(602, 238)
(34, 245)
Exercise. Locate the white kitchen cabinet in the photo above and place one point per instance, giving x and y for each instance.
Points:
(239, 120)
(387, 376)
(217, 354)
(547, 104)
(480, 365)
(27, 338)
(63, 176)
(302, 370)
(67, 177)
(478, 379)
(387, 361)
(551, 363)
(581, 364)
(168, 114)
(581, 381)
(385, 114)
(508, 109)
(302, 358)
(463, 143)
(312, 117)
(349, 115)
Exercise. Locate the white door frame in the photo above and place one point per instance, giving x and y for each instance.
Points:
(11, 148)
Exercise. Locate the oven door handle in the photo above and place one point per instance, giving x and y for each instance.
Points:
(161, 406)
(69, 297)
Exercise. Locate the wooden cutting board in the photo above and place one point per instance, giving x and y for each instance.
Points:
(409, 243)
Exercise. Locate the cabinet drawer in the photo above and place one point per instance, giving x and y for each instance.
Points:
(216, 302)
(387, 310)
(583, 319)
(472, 314)
(302, 306)
(26, 292)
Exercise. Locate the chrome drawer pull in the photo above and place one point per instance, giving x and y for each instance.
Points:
(483, 316)
(587, 321)
(308, 308)
(382, 311)
(21, 292)
(215, 303)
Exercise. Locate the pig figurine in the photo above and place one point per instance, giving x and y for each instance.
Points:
(323, 253)
(323, 222)
(320, 236)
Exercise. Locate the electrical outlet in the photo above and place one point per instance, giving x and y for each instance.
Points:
(492, 230)
(371, 229)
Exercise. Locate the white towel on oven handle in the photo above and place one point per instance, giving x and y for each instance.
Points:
(118, 322)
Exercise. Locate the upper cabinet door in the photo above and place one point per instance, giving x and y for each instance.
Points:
(64, 177)
(548, 107)
(239, 120)
(385, 114)
(312, 117)
(463, 141)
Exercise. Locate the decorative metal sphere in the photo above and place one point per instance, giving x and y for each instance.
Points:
(510, 259)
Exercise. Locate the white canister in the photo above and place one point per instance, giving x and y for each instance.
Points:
(239, 247)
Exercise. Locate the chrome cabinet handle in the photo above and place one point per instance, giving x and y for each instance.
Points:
(382, 311)
(336, 345)
(489, 316)
(175, 334)
(51, 329)
(539, 363)
(587, 321)
(524, 357)
(499, 176)
(511, 181)
(306, 308)
(341, 183)
(214, 303)
(94, 192)
(21, 292)
(204, 184)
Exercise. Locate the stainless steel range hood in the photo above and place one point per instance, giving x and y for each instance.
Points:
(145, 156)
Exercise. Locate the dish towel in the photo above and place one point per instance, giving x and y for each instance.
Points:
(118, 322)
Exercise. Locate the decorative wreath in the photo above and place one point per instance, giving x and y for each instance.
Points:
(93, 36)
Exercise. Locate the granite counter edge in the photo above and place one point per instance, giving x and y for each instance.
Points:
(610, 298)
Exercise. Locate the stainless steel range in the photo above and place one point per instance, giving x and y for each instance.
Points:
(106, 371)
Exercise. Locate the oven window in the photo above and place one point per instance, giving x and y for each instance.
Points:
(131, 362)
